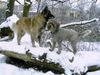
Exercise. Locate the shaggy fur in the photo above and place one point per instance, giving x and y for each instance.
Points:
(61, 34)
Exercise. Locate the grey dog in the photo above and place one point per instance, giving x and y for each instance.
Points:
(62, 34)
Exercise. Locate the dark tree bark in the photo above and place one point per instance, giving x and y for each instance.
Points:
(27, 5)
(6, 31)
(10, 7)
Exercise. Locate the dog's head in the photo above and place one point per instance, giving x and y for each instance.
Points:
(53, 26)
(47, 13)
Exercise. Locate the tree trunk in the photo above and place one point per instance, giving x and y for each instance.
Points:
(10, 7)
(27, 5)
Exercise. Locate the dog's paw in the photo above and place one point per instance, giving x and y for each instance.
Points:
(33, 46)
(58, 52)
(50, 49)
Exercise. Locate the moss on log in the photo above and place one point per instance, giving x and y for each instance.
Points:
(27, 61)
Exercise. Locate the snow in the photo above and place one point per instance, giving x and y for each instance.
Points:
(87, 55)
(79, 23)
(21, 1)
(28, 2)
(81, 60)
(94, 73)
(10, 21)
(7, 69)
(87, 58)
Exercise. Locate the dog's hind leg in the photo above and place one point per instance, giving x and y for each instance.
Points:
(74, 44)
(59, 47)
(33, 39)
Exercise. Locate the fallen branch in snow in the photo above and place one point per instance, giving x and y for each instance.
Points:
(93, 68)
(90, 69)
(27, 61)
(79, 23)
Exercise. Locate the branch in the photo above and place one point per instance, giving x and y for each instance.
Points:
(90, 69)
(93, 68)
(59, 1)
(80, 23)
(18, 1)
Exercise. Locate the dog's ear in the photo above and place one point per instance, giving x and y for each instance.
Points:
(45, 10)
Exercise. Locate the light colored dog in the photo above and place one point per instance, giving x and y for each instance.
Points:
(32, 25)
(62, 34)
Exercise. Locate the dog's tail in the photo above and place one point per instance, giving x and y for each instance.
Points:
(85, 33)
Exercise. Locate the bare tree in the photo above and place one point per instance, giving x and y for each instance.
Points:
(81, 6)
(10, 7)
(92, 9)
(27, 5)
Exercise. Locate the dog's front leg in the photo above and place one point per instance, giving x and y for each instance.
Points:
(19, 36)
(53, 46)
(33, 38)
(59, 47)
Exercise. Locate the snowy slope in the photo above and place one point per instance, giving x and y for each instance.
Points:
(82, 60)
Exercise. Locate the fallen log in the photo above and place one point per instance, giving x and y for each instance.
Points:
(27, 61)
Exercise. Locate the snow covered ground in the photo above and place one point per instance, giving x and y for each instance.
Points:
(88, 54)
(82, 60)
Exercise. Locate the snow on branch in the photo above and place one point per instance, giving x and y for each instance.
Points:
(80, 23)
(29, 3)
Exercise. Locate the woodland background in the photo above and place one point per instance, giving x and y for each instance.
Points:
(65, 11)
